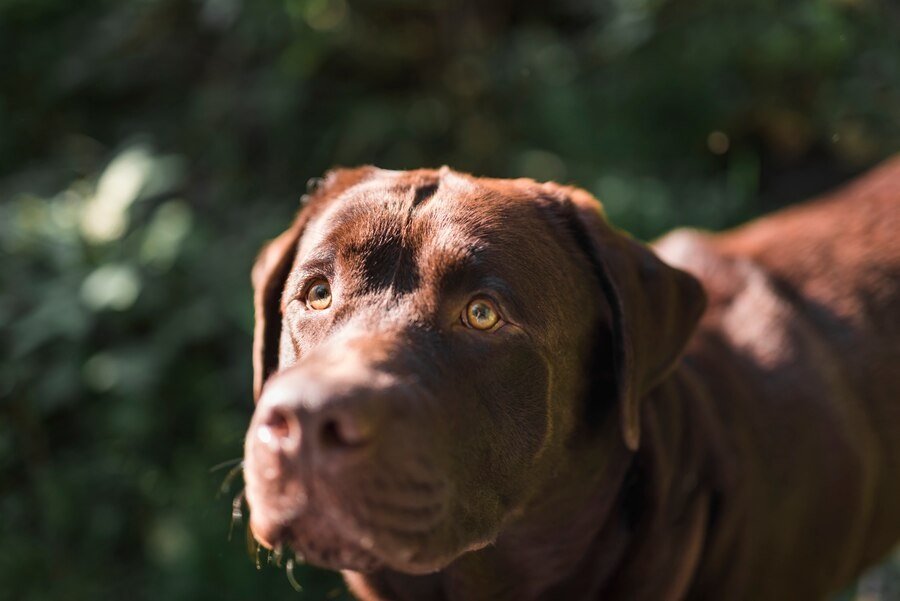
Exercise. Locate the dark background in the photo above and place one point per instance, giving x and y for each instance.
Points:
(148, 148)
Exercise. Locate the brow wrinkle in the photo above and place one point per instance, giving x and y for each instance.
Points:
(423, 192)
(292, 335)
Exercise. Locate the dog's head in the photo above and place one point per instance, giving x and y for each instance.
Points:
(428, 344)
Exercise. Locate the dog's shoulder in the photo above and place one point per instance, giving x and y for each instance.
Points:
(723, 277)
(747, 307)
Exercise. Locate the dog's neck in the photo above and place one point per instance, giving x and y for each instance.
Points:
(629, 515)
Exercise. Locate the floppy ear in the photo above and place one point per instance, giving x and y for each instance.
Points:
(274, 263)
(655, 307)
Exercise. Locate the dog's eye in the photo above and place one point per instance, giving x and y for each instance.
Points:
(318, 296)
(481, 314)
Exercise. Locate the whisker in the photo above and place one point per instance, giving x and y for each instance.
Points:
(278, 555)
(289, 570)
(224, 464)
(236, 512)
(229, 478)
(253, 548)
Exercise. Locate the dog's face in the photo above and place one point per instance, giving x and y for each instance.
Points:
(429, 343)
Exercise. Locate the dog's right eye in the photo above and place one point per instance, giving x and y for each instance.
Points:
(481, 314)
(318, 297)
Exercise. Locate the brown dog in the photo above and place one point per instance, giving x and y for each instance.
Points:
(474, 388)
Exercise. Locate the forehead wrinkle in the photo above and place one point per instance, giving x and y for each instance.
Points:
(371, 234)
(447, 253)
(322, 227)
(456, 261)
(395, 193)
(462, 219)
(350, 218)
(464, 228)
(317, 264)
(507, 233)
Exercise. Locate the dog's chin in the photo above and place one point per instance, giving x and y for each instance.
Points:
(312, 537)
(338, 541)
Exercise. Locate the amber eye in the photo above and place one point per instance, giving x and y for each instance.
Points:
(318, 296)
(481, 314)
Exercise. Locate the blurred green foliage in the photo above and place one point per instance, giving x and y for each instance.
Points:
(148, 147)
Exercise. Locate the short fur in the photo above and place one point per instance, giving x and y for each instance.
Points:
(712, 417)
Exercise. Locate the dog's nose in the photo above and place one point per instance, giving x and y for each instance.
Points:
(283, 427)
(298, 414)
(279, 428)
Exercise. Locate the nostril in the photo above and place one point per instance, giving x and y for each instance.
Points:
(278, 425)
(280, 429)
(331, 434)
(345, 431)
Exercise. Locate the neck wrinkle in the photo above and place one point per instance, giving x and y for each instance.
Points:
(563, 547)
(678, 484)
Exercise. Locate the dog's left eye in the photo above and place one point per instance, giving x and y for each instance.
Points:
(318, 297)
(481, 314)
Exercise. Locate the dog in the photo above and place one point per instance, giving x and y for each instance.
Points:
(472, 388)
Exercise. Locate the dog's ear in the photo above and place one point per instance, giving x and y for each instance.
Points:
(275, 261)
(655, 307)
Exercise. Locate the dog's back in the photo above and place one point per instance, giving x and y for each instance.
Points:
(840, 257)
(805, 314)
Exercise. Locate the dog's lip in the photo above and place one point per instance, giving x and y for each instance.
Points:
(321, 533)
(314, 528)
(270, 533)
(340, 552)
(384, 521)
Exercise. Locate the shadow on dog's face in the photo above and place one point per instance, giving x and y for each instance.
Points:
(421, 360)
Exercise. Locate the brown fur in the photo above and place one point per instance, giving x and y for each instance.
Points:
(723, 423)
